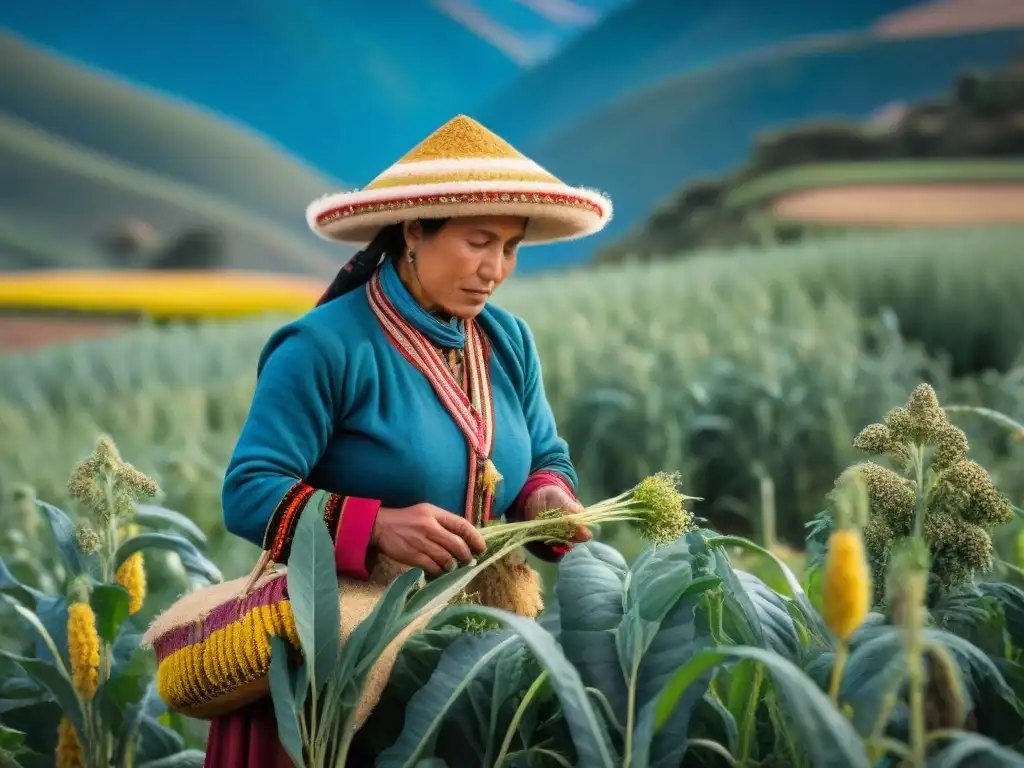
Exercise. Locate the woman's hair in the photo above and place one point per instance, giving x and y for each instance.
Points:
(388, 244)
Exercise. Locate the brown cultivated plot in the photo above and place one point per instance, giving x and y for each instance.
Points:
(905, 205)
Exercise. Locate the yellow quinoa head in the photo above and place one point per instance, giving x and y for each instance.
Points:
(83, 649)
(132, 576)
(68, 753)
(846, 597)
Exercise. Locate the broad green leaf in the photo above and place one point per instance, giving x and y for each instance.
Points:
(997, 709)
(812, 618)
(1011, 600)
(121, 698)
(441, 589)
(76, 561)
(590, 592)
(52, 612)
(57, 682)
(713, 718)
(825, 736)
(585, 724)
(126, 646)
(515, 674)
(390, 615)
(312, 588)
(156, 740)
(153, 516)
(387, 619)
(47, 648)
(189, 758)
(745, 693)
(662, 628)
(195, 563)
(300, 682)
(398, 608)
(969, 750)
(876, 668)
(10, 739)
(477, 723)
(286, 706)
(110, 603)
(10, 585)
(417, 659)
(740, 621)
(776, 624)
(467, 658)
(130, 721)
(16, 688)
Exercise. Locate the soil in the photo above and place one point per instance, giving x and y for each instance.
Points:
(905, 205)
(18, 334)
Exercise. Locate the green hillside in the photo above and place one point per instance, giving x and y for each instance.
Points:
(81, 153)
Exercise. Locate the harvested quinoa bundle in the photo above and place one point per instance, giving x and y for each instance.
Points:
(655, 505)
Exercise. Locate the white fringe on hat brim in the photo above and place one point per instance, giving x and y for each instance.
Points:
(549, 221)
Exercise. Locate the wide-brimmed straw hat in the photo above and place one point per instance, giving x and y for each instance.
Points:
(462, 169)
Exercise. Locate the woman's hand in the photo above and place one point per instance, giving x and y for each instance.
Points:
(427, 537)
(555, 497)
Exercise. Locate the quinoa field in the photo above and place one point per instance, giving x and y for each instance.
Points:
(833, 576)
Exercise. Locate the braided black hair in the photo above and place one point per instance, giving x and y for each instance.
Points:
(388, 243)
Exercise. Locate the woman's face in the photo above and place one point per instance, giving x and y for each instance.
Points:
(458, 268)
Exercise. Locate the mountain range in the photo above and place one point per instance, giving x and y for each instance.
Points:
(634, 98)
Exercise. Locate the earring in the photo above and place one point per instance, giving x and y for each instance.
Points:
(410, 256)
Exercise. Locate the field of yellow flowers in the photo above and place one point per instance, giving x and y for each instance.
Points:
(782, 393)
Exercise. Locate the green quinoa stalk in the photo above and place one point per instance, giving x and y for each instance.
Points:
(654, 504)
(906, 587)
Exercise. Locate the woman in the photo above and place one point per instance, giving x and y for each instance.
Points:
(405, 394)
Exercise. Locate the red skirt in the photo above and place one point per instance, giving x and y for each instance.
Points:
(246, 738)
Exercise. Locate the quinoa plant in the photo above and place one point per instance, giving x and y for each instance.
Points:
(87, 658)
(933, 490)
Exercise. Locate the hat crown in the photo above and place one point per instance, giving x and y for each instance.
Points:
(461, 137)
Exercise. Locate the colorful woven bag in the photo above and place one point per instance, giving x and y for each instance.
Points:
(213, 645)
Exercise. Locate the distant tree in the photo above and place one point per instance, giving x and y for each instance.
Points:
(198, 248)
(129, 242)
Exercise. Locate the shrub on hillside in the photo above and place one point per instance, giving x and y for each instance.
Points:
(981, 117)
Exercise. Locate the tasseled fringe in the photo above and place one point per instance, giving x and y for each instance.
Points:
(509, 585)
(491, 477)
